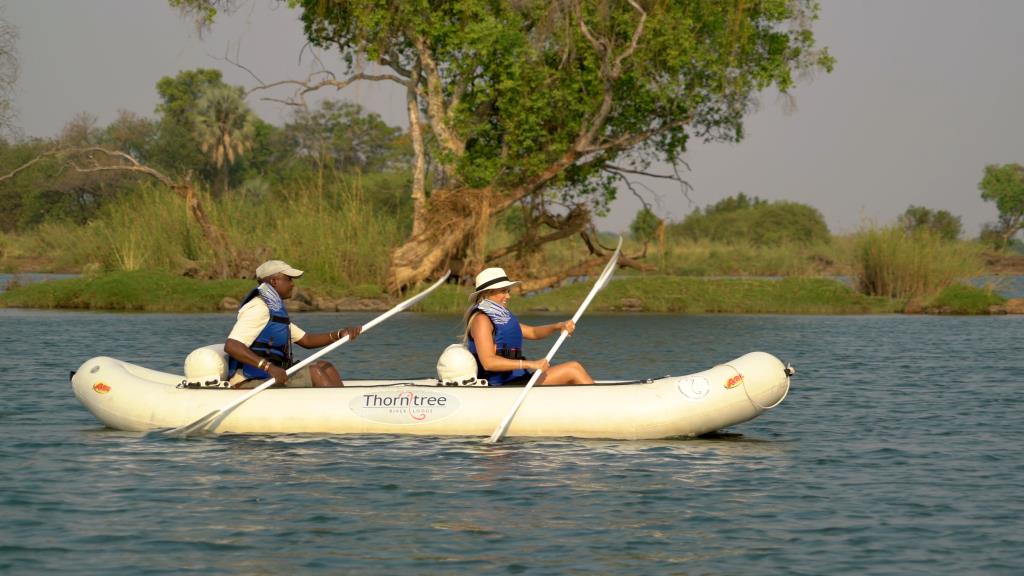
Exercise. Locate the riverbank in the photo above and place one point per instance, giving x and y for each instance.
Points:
(150, 291)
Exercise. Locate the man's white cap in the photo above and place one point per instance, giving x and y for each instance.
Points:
(492, 279)
(271, 267)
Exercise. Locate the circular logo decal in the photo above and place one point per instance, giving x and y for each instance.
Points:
(695, 387)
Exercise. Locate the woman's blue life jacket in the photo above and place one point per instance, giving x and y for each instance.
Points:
(274, 342)
(508, 340)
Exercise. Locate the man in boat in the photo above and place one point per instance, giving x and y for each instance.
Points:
(260, 343)
(495, 337)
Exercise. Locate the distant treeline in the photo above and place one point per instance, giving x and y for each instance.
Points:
(205, 132)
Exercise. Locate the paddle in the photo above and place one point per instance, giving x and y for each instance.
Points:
(606, 274)
(221, 413)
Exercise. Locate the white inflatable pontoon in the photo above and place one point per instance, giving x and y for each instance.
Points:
(129, 397)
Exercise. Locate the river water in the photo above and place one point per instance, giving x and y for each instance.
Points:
(898, 451)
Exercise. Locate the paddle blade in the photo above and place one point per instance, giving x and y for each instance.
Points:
(187, 429)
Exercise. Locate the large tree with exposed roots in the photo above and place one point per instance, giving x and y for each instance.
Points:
(549, 104)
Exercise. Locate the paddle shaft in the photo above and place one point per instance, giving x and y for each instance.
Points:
(609, 269)
(200, 423)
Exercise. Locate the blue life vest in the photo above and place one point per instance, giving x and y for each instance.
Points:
(508, 340)
(274, 342)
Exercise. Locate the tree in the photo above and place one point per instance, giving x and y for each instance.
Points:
(537, 100)
(176, 149)
(341, 135)
(224, 127)
(1004, 185)
(132, 134)
(940, 222)
(645, 225)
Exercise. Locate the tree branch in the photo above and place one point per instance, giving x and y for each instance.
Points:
(611, 70)
(27, 165)
(572, 223)
(435, 99)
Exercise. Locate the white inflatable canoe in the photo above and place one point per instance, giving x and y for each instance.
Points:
(129, 397)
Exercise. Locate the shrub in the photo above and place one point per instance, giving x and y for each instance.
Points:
(963, 299)
(941, 222)
(899, 264)
(754, 221)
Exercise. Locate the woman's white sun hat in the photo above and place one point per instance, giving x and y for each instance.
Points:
(492, 279)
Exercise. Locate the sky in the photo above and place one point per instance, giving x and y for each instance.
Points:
(924, 95)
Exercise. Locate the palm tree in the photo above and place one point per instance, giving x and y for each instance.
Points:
(224, 127)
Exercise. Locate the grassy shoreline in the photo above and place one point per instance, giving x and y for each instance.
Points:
(151, 291)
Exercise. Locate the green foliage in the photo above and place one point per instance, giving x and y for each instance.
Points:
(894, 263)
(1004, 185)
(742, 219)
(700, 296)
(341, 136)
(645, 225)
(179, 95)
(133, 134)
(991, 235)
(178, 149)
(518, 82)
(48, 191)
(963, 299)
(224, 127)
(940, 222)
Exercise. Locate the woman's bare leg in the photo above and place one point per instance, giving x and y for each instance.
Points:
(566, 373)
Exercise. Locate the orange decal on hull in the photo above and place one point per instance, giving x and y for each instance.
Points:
(100, 388)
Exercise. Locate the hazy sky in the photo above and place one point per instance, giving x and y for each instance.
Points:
(925, 94)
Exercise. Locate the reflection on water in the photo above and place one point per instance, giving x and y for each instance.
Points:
(894, 453)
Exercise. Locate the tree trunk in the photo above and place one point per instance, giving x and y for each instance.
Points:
(225, 258)
(455, 223)
(419, 171)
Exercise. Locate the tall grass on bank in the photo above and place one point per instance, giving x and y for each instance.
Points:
(148, 229)
(898, 264)
(679, 295)
(707, 258)
(338, 235)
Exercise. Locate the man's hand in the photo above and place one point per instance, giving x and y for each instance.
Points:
(280, 374)
(351, 332)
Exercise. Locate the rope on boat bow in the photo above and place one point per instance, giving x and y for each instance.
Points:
(789, 371)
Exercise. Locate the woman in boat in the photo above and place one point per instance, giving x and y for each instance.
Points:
(495, 337)
(260, 343)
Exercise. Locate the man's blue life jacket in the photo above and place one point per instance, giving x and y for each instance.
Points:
(275, 340)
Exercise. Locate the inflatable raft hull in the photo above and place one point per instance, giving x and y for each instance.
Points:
(124, 396)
